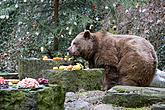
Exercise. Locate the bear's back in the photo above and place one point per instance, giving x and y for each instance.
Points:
(131, 43)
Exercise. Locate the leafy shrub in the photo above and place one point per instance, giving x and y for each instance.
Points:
(27, 25)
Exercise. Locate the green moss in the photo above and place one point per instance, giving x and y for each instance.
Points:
(51, 100)
(130, 100)
(11, 99)
(143, 108)
(77, 79)
(120, 90)
(29, 67)
(48, 98)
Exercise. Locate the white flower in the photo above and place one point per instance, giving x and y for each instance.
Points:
(97, 18)
(42, 49)
(64, 13)
(67, 28)
(0, 3)
(126, 11)
(19, 39)
(75, 23)
(7, 16)
(42, 0)
(159, 21)
(70, 32)
(62, 36)
(114, 5)
(106, 7)
(140, 10)
(143, 10)
(25, 0)
(2, 17)
(19, 23)
(16, 5)
(4, 0)
(49, 42)
(27, 32)
(19, 30)
(37, 33)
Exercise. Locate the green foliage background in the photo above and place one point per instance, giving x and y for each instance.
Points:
(27, 25)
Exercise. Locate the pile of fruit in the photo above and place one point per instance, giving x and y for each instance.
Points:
(27, 83)
(30, 83)
(43, 81)
(78, 66)
(12, 82)
(3, 83)
(55, 58)
(66, 58)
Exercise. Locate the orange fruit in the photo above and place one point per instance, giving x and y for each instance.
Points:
(57, 58)
(69, 68)
(45, 58)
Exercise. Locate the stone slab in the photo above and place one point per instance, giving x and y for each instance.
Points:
(72, 81)
(129, 96)
(9, 75)
(32, 67)
(48, 98)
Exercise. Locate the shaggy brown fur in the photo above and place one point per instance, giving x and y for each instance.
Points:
(127, 59)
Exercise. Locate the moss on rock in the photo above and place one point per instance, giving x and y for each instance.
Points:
(134, 96)
(87, 79)
(48, 98)
(32, 67)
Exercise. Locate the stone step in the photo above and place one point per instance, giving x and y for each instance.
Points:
(32, 67)
(158, 106)
(129, 96)
(47, 98)
(106, 107)
(9, 75)
(76, 80)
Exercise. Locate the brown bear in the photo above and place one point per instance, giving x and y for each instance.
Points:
(127, 59)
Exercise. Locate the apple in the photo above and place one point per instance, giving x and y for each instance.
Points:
(42, 81)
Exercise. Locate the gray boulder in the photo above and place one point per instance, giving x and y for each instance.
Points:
(129, 96)
(159, 79)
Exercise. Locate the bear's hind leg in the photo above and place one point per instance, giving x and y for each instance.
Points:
(111, 77)
(128, 82)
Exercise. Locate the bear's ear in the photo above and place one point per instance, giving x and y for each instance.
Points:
(87, 34)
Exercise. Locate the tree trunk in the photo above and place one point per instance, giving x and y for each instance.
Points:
(55, 10)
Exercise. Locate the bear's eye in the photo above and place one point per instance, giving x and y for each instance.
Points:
(74, 43)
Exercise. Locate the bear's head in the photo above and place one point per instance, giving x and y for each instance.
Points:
(83, 45)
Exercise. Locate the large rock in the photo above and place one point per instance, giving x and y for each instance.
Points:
(48, 98)
(32, 67)
(129, 96)
(158, 106)
(104, 107)
(159, 79)
(78, 105)
(87, 79)
(83, 100)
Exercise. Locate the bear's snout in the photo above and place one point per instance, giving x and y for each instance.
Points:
(70, 51)
(73, 51)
